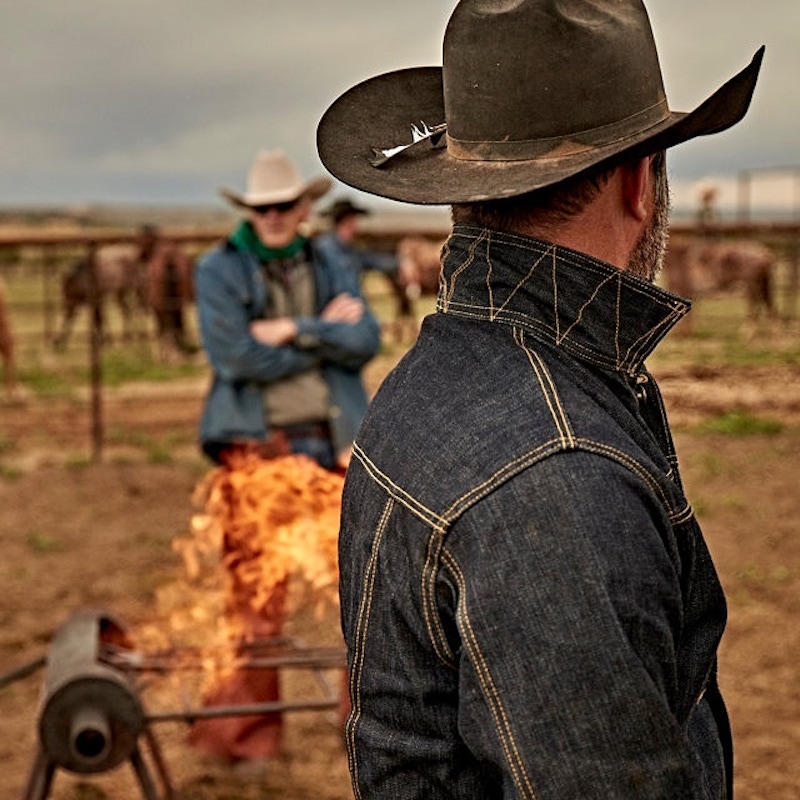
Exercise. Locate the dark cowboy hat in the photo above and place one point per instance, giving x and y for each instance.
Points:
(342, 208)
(531, 92)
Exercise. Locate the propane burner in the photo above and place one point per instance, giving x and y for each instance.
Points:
(91, 718)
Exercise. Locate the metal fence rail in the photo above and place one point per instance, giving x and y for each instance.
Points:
(39, 260)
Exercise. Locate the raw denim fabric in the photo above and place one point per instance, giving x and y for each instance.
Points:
(231, 293)
(529, 605)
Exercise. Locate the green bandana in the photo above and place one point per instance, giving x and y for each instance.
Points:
(245, 238)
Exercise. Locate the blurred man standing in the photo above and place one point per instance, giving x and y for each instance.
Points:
(287, 333)
(341, 240)
(284, 326)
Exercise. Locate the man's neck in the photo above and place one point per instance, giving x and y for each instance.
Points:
(604, 229)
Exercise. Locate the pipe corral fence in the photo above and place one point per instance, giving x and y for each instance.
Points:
(33, 265)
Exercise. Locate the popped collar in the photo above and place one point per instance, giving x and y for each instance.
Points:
(596, 312)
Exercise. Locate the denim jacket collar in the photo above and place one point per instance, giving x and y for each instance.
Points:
(593, 310)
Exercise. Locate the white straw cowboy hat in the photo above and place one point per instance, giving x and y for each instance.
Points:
(530, 92)
(274, 179)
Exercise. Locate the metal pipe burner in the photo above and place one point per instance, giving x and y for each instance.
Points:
(90, 716)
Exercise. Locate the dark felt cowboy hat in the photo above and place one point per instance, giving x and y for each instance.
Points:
(531, 92)
(342, 208)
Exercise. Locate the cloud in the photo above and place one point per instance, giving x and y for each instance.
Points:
(169, 100)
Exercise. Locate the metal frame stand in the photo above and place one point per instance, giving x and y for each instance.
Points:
(44, 771)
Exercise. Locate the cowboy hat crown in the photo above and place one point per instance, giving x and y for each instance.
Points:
(273, 178)
(530, 93)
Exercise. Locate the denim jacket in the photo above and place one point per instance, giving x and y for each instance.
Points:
(358, 260)
(231, 293)
(529, 605)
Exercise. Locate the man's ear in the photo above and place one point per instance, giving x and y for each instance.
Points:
(637, 187)
(304, 211)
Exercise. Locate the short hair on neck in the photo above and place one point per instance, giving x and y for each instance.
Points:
(544, 208)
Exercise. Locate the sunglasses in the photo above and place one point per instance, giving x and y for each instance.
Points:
(281, 208)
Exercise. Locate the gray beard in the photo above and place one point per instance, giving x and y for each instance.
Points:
(647, 258)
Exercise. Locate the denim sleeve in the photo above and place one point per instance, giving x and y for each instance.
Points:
(568, 612)
(349, 346)
(224, 319)
(378, 262)
(341, 344)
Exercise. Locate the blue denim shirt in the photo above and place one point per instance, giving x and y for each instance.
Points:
(358, 260)
(529, 605)
(231, 293)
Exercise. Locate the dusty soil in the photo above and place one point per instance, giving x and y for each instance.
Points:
(78, 535)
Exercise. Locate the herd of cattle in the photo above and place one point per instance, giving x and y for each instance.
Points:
(155, 275)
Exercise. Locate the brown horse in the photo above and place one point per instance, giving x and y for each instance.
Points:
(150, 274)
(694, 267)
(7, 345)
(168, 275)
(751, 265)
(419, 267)
(118, 274)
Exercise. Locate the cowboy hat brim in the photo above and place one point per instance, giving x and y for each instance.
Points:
(378, 115)
(313, 190)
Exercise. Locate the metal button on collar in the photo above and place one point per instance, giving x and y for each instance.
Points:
(641, 388)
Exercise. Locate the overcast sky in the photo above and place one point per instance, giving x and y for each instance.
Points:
(164, 101)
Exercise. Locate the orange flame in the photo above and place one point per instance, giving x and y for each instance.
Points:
(270, 524)
(271, 520)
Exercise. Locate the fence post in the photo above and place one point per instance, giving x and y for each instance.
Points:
(792, 279)
(95, 356)
(49, 308)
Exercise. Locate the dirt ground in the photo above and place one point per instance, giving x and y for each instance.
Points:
(79, 535)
